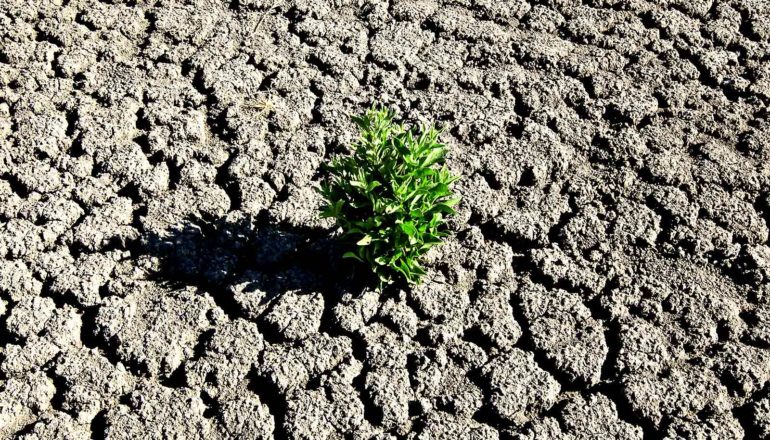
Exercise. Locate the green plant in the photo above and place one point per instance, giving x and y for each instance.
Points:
(391, 196)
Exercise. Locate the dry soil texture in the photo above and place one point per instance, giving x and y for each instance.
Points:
(164, 273)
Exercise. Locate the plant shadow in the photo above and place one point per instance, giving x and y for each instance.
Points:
(215, 253)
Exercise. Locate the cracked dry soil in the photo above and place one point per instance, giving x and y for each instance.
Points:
(163, 272)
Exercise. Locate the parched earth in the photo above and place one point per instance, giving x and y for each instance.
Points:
(164, 273)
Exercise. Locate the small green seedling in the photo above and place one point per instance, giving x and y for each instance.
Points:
(391, 196)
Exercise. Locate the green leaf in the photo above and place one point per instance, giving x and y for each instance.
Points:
(408, 228)
(392, 207)
(372, 185)
(451, 202)
(441, 207)
(364, 241)
(433, 156)
(352, 256)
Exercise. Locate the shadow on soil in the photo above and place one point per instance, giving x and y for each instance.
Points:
(213, 254)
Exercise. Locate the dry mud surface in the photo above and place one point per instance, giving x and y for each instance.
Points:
(163, 272)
